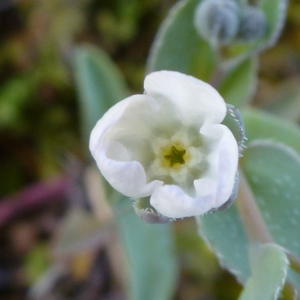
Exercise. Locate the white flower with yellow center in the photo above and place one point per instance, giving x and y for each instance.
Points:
(168, 145)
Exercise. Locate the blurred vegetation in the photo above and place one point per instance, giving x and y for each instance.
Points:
(40, 127)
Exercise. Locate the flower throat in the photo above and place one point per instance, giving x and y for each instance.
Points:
(175, 156)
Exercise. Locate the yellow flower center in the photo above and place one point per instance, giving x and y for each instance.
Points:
(175, 157)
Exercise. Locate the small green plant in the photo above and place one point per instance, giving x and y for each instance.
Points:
(173, 151)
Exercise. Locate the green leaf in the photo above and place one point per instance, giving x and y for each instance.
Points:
(275, 13)
(269, 267)
(99, 83)
(150, 252)
(225, 234)
(179, 47)
(287, 102)
(261, 125)
(240, 83)
(242, 2)
(273, 173)
(13, 96)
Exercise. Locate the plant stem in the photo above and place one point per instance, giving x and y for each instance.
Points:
(294, 261)
(255, 225)
(217, 77)
(33, 197)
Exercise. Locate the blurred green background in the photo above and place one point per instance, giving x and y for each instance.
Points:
(43, 158)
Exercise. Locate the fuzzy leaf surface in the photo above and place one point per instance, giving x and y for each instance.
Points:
(99, 83)
(150, 252)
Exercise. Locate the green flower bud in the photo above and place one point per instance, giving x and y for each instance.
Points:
(217, 20)
(253, 24)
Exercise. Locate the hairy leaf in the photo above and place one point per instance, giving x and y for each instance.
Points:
(100, 85)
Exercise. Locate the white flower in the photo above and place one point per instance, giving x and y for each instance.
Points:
(169, 145)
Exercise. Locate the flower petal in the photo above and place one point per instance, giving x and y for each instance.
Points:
(171, 201)
(228, 164)
(143, 121)
(223, 162)
(194, 100)
(127, 177)
(114, 161)
(108, 120)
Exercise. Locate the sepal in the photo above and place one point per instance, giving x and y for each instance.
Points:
(234, 121)
(147, 213)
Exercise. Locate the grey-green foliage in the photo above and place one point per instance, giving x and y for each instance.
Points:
(151, 255)
(273, 173)
(179, 47)
(272, 169)
(269, 266)
(262, 125)
(99, 84)
(239, 84)
(286, 102)
(225, 234)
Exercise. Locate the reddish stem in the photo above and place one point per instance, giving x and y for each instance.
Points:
(33, 197)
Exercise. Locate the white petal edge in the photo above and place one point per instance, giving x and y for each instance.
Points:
(171, 201)
(107, 120)
(226, 159)
(195, 100)
(127, 177)
(228, 164)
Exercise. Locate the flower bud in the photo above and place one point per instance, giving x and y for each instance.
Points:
(253, 24)
(217, 20)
